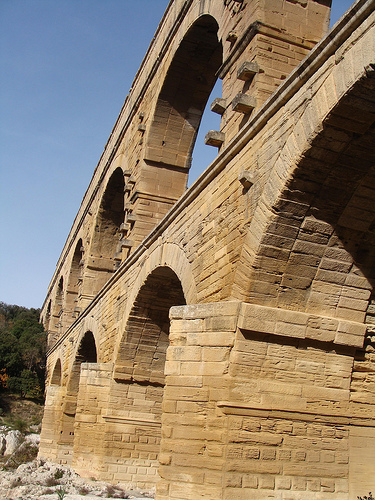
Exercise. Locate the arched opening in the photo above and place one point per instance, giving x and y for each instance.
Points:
(74, 284)
(139, 369)
(56, 375)
(107, 232)
(57, 313)
(145, 341)
(173, 130)
(47, 319)
(183, 97)
(86, 353)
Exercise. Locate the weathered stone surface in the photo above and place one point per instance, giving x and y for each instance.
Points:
(218, 342)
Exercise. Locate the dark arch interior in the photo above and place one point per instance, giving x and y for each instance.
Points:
(329, 203)
(87, 349)
(140, 364)
(183, 97)
(56, 375)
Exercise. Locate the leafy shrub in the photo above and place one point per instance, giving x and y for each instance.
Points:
(369, 497)
(83, 490)
(115, 492)
(51, 481)
(59, 473)
(61, 493)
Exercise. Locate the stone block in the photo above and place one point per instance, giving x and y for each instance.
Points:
(218, 105)
(243, 103)
(247, 70)
(214, 138)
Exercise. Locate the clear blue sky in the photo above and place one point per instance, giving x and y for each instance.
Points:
(66, 68)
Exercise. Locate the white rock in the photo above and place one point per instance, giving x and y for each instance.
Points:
(13, 440)
(3, 444)
(33, 439)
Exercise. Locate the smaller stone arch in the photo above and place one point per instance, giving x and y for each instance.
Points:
(86, 353)
(55, 325)
(101, 261)
(145, 341)
(183, 96)
(46, 320)
(172, 256)
(139, 368)
(74, 284)
(57, 373)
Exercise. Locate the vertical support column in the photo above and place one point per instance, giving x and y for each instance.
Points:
(89, 425)
(193, 429)
(50, 434)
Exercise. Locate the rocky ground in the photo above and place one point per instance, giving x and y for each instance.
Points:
(24, 477)
(42, 480)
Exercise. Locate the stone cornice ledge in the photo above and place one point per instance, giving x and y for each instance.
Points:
(300, 325)
(241, 409)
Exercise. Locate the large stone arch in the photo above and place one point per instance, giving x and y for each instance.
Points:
(101, 262)
(319, 228)
(188, 75)
(137, 391)
(309, 266)
(184, 93)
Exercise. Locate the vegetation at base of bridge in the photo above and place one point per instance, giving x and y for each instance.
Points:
(23, 344)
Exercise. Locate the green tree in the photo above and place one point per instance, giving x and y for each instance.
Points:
(22, 349)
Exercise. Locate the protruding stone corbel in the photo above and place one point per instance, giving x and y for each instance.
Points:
(142, 127)
(232, 36)
(243, 103)
(214, 138)
(125, 227)
(218, 105)
(126, 243)
(247, 71)
(246, 178)
(130, 217)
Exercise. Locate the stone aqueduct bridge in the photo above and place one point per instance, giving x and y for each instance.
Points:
(219, 341)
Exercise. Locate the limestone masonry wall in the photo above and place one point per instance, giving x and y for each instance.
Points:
(218, 342)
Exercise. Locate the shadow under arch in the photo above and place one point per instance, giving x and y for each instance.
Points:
(101, 261)
(189, 81)
(57, 373)
(86, 353)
